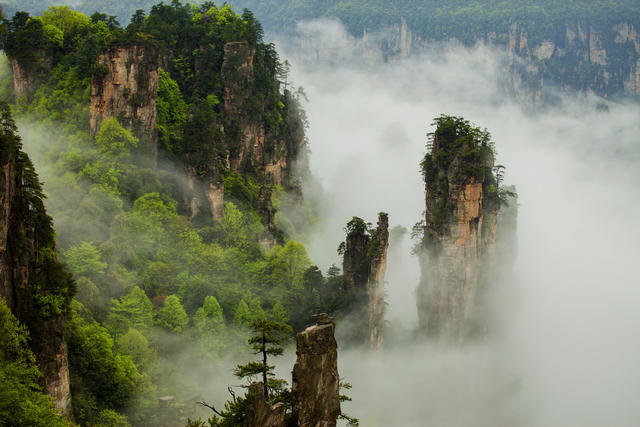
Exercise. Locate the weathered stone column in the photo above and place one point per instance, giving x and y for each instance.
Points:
(316, 385)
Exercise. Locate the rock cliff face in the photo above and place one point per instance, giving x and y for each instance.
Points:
(26, 80)
(574, 56)
(315, 388)
(364, 266)
(127, 88)
(35, 286)
(249, 145)
(463, 201)
(450, 279)
(241, 139)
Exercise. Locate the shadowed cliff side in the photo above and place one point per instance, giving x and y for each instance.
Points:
(36, 287)
(364, 266)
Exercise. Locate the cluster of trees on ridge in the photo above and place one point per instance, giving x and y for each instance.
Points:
(465, 21)
(440, 20)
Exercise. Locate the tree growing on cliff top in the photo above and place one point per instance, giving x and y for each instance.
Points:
(269, 336)
(267, 341)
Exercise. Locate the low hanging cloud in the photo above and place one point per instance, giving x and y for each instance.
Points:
(566, 352)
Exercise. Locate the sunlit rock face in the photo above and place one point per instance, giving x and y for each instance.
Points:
(126, 87)
(315, 387)
(461, 230)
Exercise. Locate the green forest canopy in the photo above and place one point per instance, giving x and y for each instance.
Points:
(433, 18)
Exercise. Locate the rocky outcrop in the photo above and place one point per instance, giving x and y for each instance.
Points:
(249, 144)
(364, 266)
(461, 228)
(126, 87)
(315, 388)
(259, 412)
(36, 287)
(27, 78)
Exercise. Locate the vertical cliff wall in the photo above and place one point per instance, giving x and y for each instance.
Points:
(463, 199)
(364, 266)
(575, 55)
(249, 138)
(315, 388)
(126, 87)
(37, 288)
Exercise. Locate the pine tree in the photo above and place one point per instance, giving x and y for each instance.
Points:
(269, 336)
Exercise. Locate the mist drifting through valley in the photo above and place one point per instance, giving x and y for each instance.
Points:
(566, 350)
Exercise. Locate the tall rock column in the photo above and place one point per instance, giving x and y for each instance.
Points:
(364, 266)
(463, 198)
(315, 387)
(375, 288)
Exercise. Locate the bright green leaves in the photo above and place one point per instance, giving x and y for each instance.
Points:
(289, 266)
(21, 401)
(240, 229)
(133, 310)
(65, 19)
(99, 373)
(84, 259)
(209, 327)
(172, 113)
(171, 316)
(114, 141)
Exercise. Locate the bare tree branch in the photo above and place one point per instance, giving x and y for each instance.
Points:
(211, 407)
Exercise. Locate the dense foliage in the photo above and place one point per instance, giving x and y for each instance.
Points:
(21, 399)
(458, 154)
(467, 22)
(434, 18)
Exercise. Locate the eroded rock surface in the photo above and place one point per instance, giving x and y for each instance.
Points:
(316, 384)
(462, 227)
(127, 89)
(260, 413)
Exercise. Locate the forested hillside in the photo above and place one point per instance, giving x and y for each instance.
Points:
(172, 158)
(583, 46)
